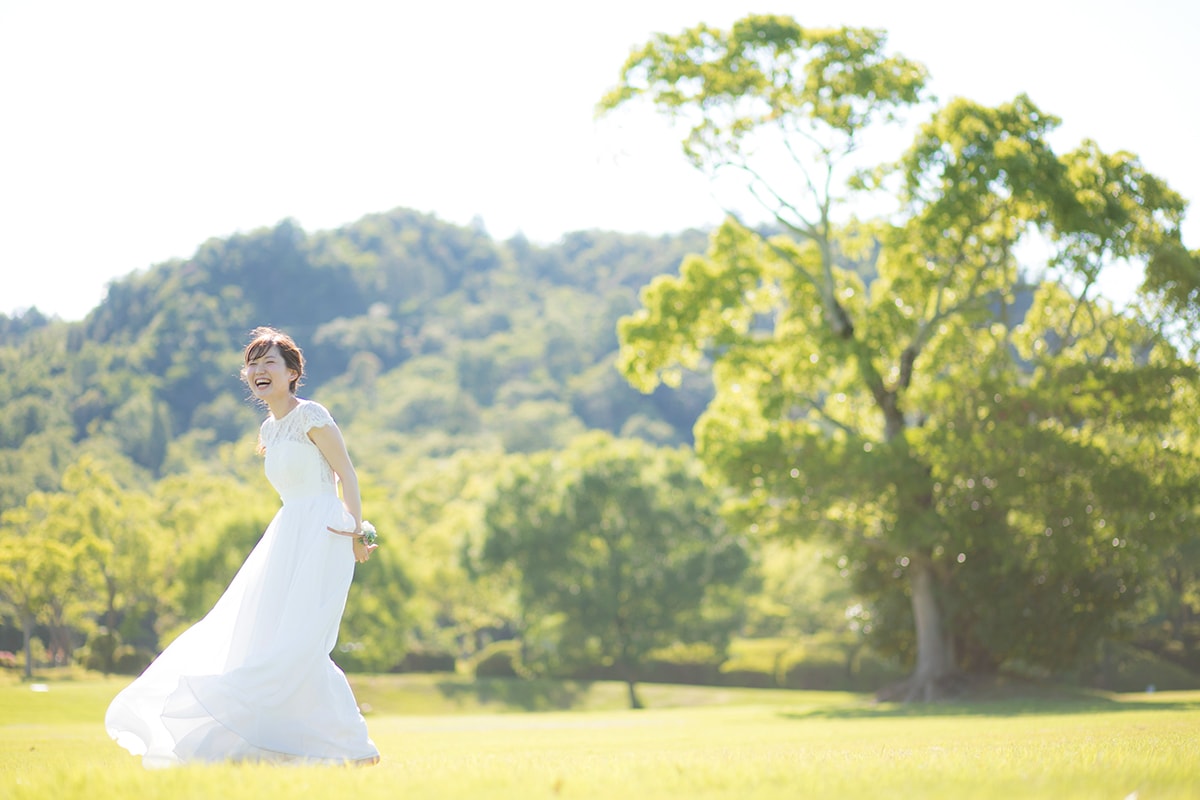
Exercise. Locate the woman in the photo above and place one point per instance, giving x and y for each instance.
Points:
(253, 680)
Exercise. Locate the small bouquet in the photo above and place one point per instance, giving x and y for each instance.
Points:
(367, 535)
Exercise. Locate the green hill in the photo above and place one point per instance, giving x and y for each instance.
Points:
(411, 326)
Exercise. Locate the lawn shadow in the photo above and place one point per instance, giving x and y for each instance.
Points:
(525, 694)
(1030, 702)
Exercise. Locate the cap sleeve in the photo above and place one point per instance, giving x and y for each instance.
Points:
(315, 416)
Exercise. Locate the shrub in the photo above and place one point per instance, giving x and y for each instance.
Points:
(757, 663)
(498, 660)
(826, 661)
(1122, 667)
(426, 661)
(694, 673)
(100, 652)
(823, 673)
(748, 678)
(132, 660)
(694, 663)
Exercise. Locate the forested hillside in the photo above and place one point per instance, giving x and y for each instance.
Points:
(411, 326)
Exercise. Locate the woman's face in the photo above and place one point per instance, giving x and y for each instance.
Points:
(268, 375)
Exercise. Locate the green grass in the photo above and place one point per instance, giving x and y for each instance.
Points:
(444, 737)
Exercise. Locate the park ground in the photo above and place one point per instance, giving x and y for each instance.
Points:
(443, 737)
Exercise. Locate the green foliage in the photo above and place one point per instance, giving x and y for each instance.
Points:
(90, 553)
(767, 71)
(376, 615)
(823, 661)
(801, 592)
(1121, 667)
(431, 510)
(498, 660)
(997, 478)
(619, 552)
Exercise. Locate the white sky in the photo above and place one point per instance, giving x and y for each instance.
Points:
(131, 132)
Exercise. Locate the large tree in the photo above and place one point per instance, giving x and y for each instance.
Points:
(619, 550)
(895, 384)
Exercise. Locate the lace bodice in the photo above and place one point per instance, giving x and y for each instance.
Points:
(294, 465)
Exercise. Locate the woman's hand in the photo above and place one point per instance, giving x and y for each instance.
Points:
(362, 550)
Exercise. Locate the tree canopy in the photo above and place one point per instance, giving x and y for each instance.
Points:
(619, 551)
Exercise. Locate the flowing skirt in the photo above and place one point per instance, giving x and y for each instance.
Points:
(253, 679)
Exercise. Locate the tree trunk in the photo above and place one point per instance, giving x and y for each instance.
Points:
(111, 620)
(627, 662)
(27, 625)
(935, 656)
(634, 701)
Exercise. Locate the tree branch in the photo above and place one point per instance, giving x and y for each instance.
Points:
(820, 410)
(806, 228)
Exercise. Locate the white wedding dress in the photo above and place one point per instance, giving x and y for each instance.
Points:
(253, 679)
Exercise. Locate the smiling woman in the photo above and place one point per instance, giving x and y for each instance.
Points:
(253, 680)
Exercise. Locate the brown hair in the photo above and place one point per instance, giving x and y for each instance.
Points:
(263, 339)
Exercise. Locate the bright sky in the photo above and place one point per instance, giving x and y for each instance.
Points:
(132, 132)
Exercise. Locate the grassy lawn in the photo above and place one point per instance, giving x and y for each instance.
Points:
(450, 738)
